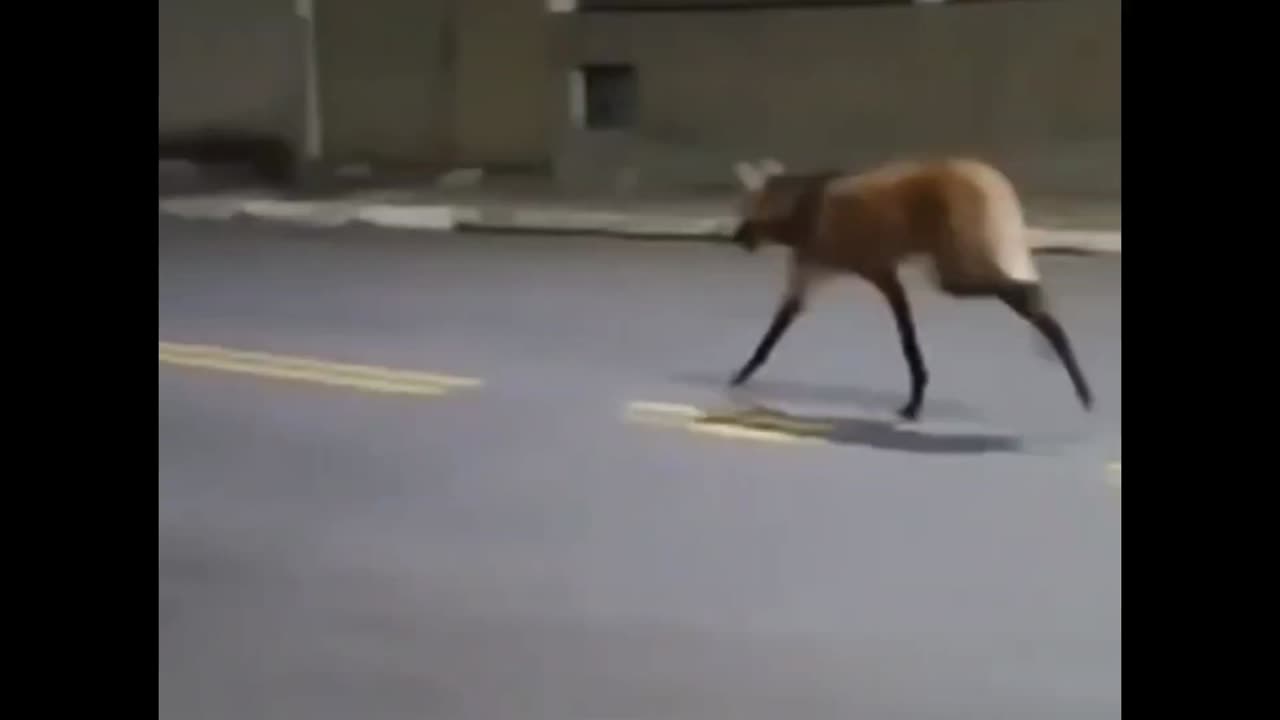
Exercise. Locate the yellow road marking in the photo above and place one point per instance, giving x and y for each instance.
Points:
(771, 421)
(362, 377)
(665, 408)
(1113, 478)
(334, 368)
(757, 426)
(746, 433)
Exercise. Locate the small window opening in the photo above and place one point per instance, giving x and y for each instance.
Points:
(611, 96)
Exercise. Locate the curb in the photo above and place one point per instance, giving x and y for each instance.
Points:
(543, 220)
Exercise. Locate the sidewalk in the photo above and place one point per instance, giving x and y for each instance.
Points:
(1058, 225)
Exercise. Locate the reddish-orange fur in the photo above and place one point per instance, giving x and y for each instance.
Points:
(963, 216)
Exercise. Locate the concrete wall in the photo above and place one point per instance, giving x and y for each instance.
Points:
(386, 80)
(435, 82)
(233, 67)
(1033, 84)
(505, 109)
(419, 83)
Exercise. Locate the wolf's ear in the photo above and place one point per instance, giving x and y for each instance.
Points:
(750, 177)
(770, 166)
(754, 176)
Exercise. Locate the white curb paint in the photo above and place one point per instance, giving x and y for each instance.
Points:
(499, 219)
(585, 221)
(207, 207)
(464, 215)
(413, 217)
(1087, 240)
(658, 225)
(319, 214)
(539, 219)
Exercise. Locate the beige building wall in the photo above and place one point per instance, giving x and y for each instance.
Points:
(230, 66)
(506, 108)
(386, 71)
(1034, 84)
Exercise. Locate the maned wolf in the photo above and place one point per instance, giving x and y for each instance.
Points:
(962, 215)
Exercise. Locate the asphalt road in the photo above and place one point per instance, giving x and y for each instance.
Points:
(521, 549)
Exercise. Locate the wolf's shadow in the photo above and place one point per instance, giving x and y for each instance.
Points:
(751, 406)
(768, 390)
(883, 434)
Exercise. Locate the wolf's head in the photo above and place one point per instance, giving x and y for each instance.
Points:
(777, 206)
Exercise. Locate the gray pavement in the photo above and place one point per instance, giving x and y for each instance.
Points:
(521, 551)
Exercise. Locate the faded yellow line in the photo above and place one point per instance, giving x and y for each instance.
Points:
(687, 417)
(771, 421)
(725, 431)
(312, 365)
(1113, 477)
(304, 375)
(665, 408)
(756, 434)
